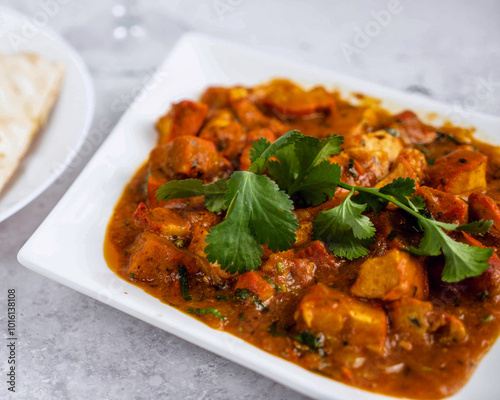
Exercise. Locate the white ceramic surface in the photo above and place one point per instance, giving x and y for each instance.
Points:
(55, 145)
(67, 247)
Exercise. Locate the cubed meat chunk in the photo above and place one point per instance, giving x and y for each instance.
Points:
(184, 157)
(184, 118)
(460, 172)
(215, 97)
(488, 283)
(255, 282)
(409, 164)
(411, 130)
(419, 322)
(484, 207)
(317, 253)
(162, 222)
(288, 100)
(225, 133)
(375, 165)
(342, 318)
(155, 258)
(392, 276)
(445, 207)
(381, 140)
(288, 271)
(188, 156)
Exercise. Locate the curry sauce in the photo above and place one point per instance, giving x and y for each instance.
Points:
(385, 322)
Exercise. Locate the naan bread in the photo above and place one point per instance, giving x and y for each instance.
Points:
(29, 85)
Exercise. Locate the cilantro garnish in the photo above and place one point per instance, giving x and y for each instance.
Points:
(201, 311)
(259, 209)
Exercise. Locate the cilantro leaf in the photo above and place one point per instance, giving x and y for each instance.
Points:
(479, 227)
(311, 151)
(400, 189)
(259, 213)
(372, 201)
(303, 168)
(193, 188)
(262, 150)
(461, 260)
(320, 184)
(345, 229)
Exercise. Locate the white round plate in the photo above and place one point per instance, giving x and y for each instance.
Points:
(58, 143)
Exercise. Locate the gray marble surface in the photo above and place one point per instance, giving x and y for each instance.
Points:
(73, 347)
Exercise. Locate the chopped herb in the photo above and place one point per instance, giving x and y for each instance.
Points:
(463, 160)
(487, 318)
(279, 266)
(276, 287)
(273, 329)
(184, 282)
(220, 297)
(179, 243)
(392, 235)
(132, 276)
(309, 339)
(431, 161)
(414, 321)
(427, 369)
(447, 136)
(392, 132)
(201, 311)
(351, 168)
(484, 295)
(241, 294)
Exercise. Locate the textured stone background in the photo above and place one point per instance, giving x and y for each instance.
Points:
(73, 347)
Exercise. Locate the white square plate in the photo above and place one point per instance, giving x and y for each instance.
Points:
(68, 246)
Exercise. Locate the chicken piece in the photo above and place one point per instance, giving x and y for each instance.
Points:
(184, 157)
(460, 172)
(254, 282)
(248, 114)
(288, 100)
(157, 258)
(400, 169)
(184, 118)
(392, 276)
(488, 283)
(256, 134)
(381, 140)
(225, 133)
(484, 207)
(374, 164)
(189, 157)
(411, 130)
(444, 206)
(215, 97)
(342, 318)
(419, 322)
(317, 253)
(162, 222)
(417, 161)
(288, 271)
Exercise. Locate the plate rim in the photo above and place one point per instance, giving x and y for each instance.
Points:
(89, 117)
(192, 39)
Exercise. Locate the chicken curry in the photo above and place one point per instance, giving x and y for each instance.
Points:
(350, 287)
